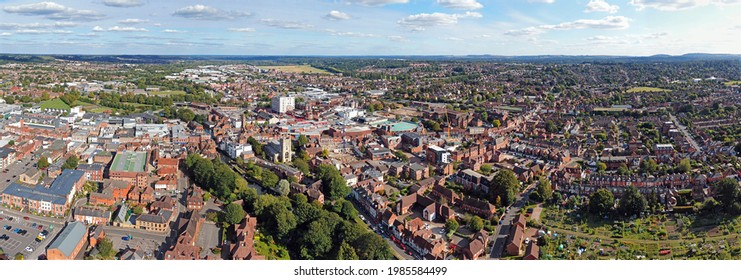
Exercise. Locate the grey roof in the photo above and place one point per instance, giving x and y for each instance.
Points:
(94, 166)
(4, 152)
(68, 239)
(162, 217)
(35, 193)
(90, 212)
(65, 181)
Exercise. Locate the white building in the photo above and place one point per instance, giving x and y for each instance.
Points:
(283, 104)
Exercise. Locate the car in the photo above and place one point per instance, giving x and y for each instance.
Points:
(33, 225)
(45, 232)
(26, 218)
(29, 249)
(1, 218)
(40, 227)
(125, 238)
(7, 180)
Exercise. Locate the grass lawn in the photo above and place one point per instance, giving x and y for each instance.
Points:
(168, 92)
(304, 69)
(732, 83)
(271, 251)
(55, 103)
(646, 89)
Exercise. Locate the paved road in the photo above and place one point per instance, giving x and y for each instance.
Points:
(502, 231)
(683, 129)
(135, 232)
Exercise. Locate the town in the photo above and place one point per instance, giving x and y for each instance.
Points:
(369, 158)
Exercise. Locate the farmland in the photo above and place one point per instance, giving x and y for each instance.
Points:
(304, 69)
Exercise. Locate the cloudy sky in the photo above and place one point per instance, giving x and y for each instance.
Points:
(370, 27)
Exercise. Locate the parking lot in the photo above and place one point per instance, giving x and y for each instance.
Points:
(150, 247)
(17, 242)
(14, 171)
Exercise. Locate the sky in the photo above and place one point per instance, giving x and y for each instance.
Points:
(371, 27)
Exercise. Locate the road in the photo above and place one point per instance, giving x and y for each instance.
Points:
(502, 230)
(683, 129)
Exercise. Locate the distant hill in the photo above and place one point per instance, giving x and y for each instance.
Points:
(158, 59)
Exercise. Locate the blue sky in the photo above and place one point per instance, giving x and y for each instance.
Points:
(371, 27)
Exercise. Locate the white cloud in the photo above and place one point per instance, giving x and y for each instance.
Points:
(98, 29)
(174, 31)
(452, 39)
(609, 22)
(133, 21)
(61, 24)
(601, 6)
(54, 11)
(201, 12)
(123, 3)
(337, 15)
(352, 34)
(378, 2)
(675, 5)
(461, 4)
(38, 31)
(6, 34)
(397, 38)
(284, 24)
(421, 21)
(127, 29)
(243, 29)
(542, 1)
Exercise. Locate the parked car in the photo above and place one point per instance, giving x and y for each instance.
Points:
(45, 232)
(125, 238)
(26, 218)
(29, 249)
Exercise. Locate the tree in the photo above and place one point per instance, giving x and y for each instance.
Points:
(71, 162)
(727, 192)
(632, 202)
(601, 202)
(206, 196)
(401, 156)
(284, 187)
(11, 143)
(684, 166)
(333, 183)
(233, 213)
(105, 247)
(302, 140)
(451, 226)
(346, 252)
(544, 189)
(325, 153)
(601, 167)
(301, 165)
(623, 170)
(43, 163)
(476, 223)
(371, 246)
(496, 123)
(504, 185)
(649, 166)
(269, 179)
(348, 211)
(485, 169)
(138, 210)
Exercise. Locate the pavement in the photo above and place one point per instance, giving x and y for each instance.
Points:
(502, 231)
(150, 246)
(208, 238)
(683, 129)
(17, 242)
(14, 171)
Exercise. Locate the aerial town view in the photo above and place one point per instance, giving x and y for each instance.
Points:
(353, 157)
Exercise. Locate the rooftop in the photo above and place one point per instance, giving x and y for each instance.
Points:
(68, 239)
(129, 162)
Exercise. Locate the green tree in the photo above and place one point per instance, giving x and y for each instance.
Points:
(284, 187)
(233, 213)
(269, 179)
(346, 252)
(401, 156)
(727, 192)
(451, 226)
(649, 166)
(348, 211)
(601, 167)
(71, 162)
(684, 166)
(333, 183)
(371, 246)
(632, 202)
(301, 165)
(138, 210)
(601, 202)
(496, 123)
(623, 170)
(325, 153)
(504, 185)
(486, 169)
(302, 140)
(43, 163)
(476, 223)
(544, 189)
(105, 247)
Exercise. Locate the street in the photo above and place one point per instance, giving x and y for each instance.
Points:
(683, 129)
(502, 231)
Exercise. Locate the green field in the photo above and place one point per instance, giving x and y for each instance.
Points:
(508, 108)
(603, 109)
(167, 92)
(54, 104)
(733, 83)
(646, 89)
(304, 69)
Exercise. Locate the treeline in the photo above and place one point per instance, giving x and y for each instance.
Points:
(313, 231)
(216, 177)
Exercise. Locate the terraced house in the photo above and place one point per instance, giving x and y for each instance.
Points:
(52, 199)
